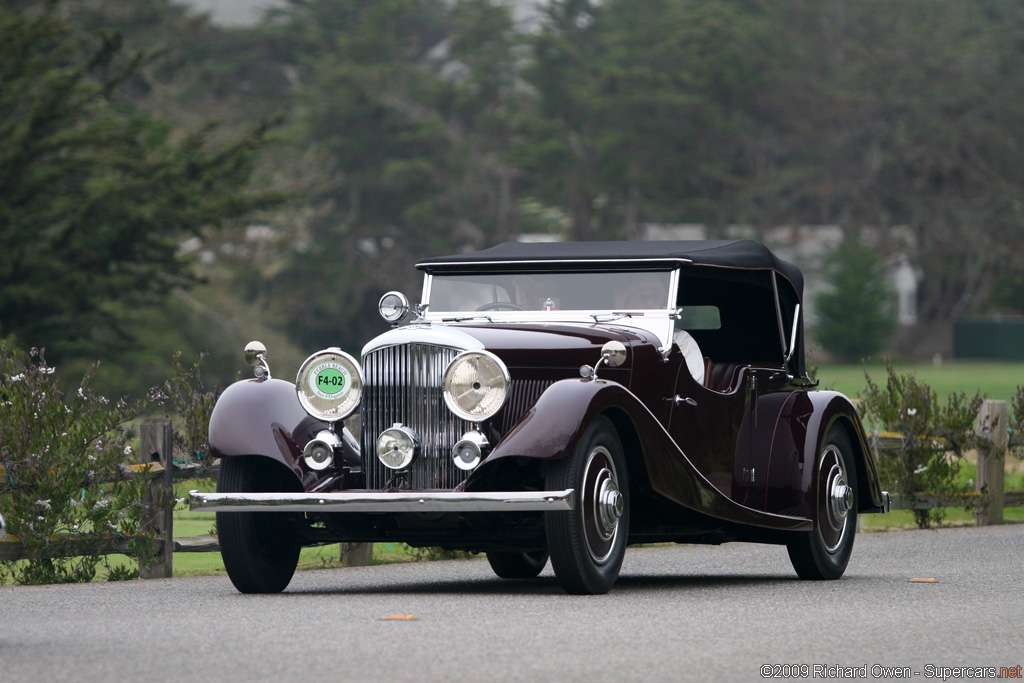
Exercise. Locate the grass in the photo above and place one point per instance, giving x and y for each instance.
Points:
(994, 380)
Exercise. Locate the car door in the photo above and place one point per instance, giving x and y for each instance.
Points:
(706, 424)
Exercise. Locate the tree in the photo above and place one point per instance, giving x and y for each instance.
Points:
(95, 197)
(902, 113)
(641, 110)
(855, 317)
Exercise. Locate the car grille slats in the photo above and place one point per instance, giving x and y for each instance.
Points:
(403, 385)
(522, 394)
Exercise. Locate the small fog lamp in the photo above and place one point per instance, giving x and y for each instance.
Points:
(469, 450)
(319, 453)
(396, 447)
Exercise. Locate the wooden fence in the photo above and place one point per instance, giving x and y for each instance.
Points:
(992, 443)
(156, 464)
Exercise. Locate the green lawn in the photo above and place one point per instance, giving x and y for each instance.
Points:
(994, 380)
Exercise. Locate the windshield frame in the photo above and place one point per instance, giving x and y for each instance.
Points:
(658, 321)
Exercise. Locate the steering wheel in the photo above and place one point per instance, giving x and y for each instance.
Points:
(497, 305)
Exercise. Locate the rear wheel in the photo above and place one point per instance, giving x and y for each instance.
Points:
(518, 565)
(824, 552)
(260, 549)
(587, 544)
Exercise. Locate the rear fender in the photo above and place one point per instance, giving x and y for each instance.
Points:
(830, 409)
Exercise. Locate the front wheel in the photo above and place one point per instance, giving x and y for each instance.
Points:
(588, 543)
(824, 552)
(260, 549)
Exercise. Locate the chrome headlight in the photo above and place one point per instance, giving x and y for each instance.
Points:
(475, 385)
(393, 307)
(396, 447)
(330, 385)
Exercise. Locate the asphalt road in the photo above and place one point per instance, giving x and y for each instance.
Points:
(678, 613)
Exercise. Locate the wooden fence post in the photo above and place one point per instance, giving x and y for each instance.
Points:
(993, 441)
(356, 554)
(157, 437)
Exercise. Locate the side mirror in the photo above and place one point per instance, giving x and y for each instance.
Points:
(255, 352)
(256, 356)
(613, 354)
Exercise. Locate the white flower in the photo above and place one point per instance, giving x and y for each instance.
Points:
(18, 377)
(127, 450)
(81, 394)
(44, 503)
(47, 371)
(912, 411)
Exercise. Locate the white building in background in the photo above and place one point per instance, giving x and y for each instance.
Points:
(248, 12)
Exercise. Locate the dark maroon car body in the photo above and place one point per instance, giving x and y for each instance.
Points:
(755, 453)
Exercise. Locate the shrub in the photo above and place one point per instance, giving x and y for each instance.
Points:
(55, 449)
(855, 317)
(187, 397)
(934, 436)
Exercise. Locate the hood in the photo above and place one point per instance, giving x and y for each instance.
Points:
(521, 345)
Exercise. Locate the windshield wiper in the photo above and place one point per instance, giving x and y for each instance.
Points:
(614, 315)
(468, 317)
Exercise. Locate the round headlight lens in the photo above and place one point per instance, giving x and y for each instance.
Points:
(475, 385)
(330, 385)
(393, 306)
(396, 447)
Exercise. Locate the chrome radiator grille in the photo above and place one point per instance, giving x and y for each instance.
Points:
(403, 384)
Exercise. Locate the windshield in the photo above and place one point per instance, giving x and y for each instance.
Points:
(535, 291)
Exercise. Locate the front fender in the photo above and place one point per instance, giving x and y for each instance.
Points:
(262, 417)
(554, 426)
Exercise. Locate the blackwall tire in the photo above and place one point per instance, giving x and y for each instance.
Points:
(518, 565)
(588, 543)
(824, 553)
(260, 549)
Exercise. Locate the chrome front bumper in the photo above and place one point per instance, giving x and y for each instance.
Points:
(405, 501)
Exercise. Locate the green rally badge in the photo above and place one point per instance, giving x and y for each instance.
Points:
(330, 381)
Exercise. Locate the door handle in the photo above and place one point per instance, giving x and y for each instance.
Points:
(677, 399)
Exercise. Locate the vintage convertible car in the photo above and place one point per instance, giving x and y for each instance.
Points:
(561, 400)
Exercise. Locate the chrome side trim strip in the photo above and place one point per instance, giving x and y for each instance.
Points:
(403, 501)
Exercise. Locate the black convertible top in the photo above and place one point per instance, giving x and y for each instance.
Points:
(739, 254)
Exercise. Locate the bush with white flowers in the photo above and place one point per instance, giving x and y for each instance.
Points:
(55, 444)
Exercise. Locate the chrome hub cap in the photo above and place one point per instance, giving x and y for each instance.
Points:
(835, 497)
(602, 505)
